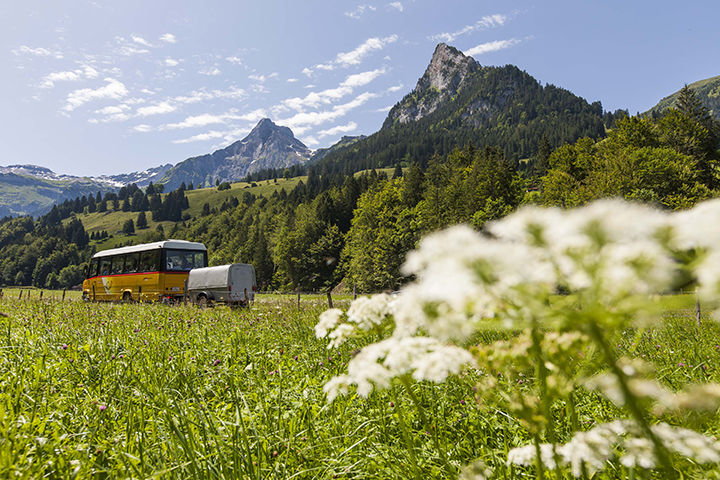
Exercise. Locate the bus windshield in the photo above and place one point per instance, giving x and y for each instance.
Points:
(184, 260)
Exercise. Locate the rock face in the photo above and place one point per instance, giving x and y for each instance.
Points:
(707, 91)
(449, 70)
(267, 146)
(345, 141)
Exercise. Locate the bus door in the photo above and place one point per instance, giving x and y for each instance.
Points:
(149, 278)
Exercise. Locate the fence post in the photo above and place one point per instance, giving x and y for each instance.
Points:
(354, 292)
(20, 295)
(41, 294)
(298, 300)
(697, 307)
(63, 297)
(329, 297)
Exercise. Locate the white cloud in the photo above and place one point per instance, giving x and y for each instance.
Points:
(141, 41)
(395, 88)
(157, 109)
(262, 78)
(196, 96)
(383, 109)
(397, 5)
(129, 50)
(198, 121)
(292, 80)
(360, 79)
(253, 116)
(37, 51)
(488, 21)
(325, 97)
(171, 62)
(235, 60)
(338, 129)
(143, 128)
(168, 38)
(311, 141)
(114, 90)
(302, 121)
(113, 109)
(353, 57)
(211, 72)
(211, 135)
(491, 47)
(359, 11)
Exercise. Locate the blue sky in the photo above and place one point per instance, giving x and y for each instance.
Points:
(94, 87)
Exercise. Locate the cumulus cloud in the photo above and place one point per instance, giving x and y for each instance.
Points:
(86, 72)
(157, 109)
(141, 41)
(142, 128)
(491, 47)
(338, 129)
(171, 62)
(168, 38)
(37, 52)
(262, 78)
(397, 5)
(303, 121)
(486, 22)
(324, 97)
(198, 121)
(211, 72)
(292, 80)
(359, 11)
(114, 89)
(235, 60)
(355, 56)
(211, 135)
(113, 109)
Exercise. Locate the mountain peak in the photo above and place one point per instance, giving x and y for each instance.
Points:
(448, 69)
(447, 73)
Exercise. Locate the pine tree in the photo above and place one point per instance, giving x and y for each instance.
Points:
(129, 227)
(141, 221)
(398, 171)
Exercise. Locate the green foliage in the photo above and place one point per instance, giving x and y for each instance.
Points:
(670, 161)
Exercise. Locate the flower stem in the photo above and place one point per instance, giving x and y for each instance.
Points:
(631, 401)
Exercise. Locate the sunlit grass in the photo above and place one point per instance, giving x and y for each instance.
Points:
(140, 391)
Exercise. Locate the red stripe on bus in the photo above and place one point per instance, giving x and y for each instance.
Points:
(128, 274)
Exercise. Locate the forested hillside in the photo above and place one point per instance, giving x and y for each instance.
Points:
(332, 229)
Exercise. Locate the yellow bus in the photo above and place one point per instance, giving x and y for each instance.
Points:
(149, 272)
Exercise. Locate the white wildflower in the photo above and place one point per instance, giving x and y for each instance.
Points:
(338, 336)
(526, 456)
(336, 386)
(688, 443)
(697, 227)
(368, 312)
(377, 364)
(591, 449)
(477, 470)
(328, 320)
(639, 452)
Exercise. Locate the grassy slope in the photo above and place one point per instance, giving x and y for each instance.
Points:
(112, 221)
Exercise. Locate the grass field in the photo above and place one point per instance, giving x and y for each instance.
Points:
(150, 391)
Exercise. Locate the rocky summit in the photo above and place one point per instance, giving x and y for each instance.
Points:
(266, 146)
(448, 71)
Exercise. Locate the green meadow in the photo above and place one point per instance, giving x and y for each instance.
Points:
(152, 391)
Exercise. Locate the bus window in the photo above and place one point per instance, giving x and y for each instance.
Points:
(184, 260)
(131, 262)
(105, 266)
(118, 263)
(93, 267)
(150, 261)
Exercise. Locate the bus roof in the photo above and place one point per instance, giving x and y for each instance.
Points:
(174, 244)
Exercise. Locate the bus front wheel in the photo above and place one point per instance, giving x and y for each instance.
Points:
(127, 297)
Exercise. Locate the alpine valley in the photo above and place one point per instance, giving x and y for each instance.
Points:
(469, 144)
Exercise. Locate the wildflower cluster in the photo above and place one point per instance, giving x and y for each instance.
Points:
(563, 284)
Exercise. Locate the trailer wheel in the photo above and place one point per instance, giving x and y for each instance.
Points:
(127, 297)
(202, 301)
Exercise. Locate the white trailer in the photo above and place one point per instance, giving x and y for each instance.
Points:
(232, 284)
